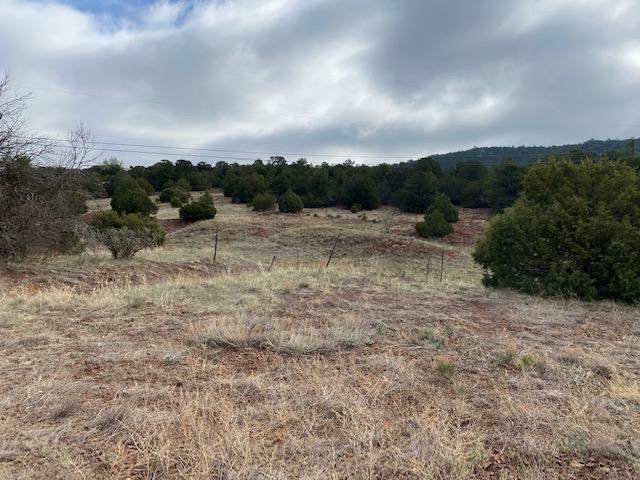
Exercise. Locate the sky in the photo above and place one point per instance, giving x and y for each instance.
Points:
(372, 80)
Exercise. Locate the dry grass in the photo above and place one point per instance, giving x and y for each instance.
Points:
(168, 366)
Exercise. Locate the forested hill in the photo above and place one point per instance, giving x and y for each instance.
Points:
(528, 155)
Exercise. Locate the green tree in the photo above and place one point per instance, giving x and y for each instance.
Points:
(444, 206)
(145, 185)
(129, 197)
(434, 225)
(248, 187)
(361, 190)
(201, 209)
(170, 193)
(418, 191)
(575, 230)
(264, 202)
(183, 184)
(503, 185)
(289, 202)
(280, 184)
(176, 202)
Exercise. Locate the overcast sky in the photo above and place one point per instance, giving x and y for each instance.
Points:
(387, 78)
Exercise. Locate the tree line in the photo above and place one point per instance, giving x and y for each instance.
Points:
(411, 186)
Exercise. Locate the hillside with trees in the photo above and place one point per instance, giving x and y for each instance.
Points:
(527, 155)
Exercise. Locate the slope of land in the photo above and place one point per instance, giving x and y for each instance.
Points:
(173, 366)
(527, 155)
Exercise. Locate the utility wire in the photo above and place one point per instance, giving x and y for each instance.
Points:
(300, 154)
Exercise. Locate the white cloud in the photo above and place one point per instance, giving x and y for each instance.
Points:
(355, 76)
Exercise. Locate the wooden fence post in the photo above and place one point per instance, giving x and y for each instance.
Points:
(331, 254)
(428, 267)
(297, 259)
(441, 264)
(215, 248)
(271, 265)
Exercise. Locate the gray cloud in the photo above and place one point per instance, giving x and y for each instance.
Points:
(360, 77)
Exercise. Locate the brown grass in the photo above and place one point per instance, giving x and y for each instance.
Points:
(179, 368)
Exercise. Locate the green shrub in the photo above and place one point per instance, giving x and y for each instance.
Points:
(125, 235)
(263, 202)
(129, 197)
(169, 193)
(145, 185)
(434, 226)
(289, 202)
(445, 367)
(175, 202)
(183, 184)
(574, 231)
(355, 208)
(201, 209)
(444, 205)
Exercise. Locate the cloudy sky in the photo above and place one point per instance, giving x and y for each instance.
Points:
(375, 80)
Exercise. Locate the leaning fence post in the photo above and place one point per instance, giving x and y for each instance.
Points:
(215, 248)
(441, 264)
(428, 267)
(271, 265)
(331, 254)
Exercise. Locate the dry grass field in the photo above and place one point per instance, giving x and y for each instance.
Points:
(171, 366)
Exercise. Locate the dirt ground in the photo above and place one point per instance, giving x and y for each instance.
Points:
(172, 365)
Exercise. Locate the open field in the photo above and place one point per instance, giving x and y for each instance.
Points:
(173, 366)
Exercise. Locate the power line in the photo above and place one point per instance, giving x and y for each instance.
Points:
(337, 155)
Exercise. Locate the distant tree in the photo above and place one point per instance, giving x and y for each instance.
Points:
(503, 185)
(289, 202)
(418, 192)
(435, 225)
(248, 187)
(145, 185)
(161, 173)
(319, 184)
(471, 171)
(442, 204)
(429, 164)
(115, 179)
(229, 185)
(631, 147)
(201, 179)
(360, 189)
(169, 193)
(183, 184)
(129, 197)
(264, 202)
(176, 202)
(182, 169)
(111, 166)
(201, 209)
(280, 184)
(575, 230)
(472, 194)
(451, 186)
